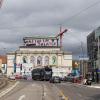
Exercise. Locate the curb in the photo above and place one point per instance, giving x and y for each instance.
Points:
(8, 90)
(3, 83)
(91, 86)
(97, 87)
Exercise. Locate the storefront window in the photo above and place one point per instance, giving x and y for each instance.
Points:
(39, 60)
(46, 60)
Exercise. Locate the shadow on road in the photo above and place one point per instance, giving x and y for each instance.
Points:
(95, 97)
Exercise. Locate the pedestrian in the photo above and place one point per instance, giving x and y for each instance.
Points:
(85, 81)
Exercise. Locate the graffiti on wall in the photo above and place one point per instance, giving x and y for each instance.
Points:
(40, 42)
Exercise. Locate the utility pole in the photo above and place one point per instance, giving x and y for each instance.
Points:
(98, 52)
(82, 63)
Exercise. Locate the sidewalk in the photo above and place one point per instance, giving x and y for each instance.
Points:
(8, 88)
(95, 85)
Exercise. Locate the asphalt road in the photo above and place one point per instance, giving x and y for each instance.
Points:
(79, 92)
(32, 90)
(39, 90)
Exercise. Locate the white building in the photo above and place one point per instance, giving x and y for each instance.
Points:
(38, 52)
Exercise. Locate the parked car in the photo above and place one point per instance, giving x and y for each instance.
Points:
(11, 77)
(55, 79)
(73, 78)
(89, 81)
(18, 76)
(24, 77)
(70, 77)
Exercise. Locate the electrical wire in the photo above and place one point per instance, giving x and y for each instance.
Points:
(83, 10)
(68, 19)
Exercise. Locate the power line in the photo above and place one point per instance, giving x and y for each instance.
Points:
(83, 10)
(70, 18)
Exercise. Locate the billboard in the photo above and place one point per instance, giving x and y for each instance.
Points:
(40, 42)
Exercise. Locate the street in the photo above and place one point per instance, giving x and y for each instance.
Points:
(41, 90)
(33, 90)
(79, 92)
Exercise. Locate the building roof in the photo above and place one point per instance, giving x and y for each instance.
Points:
(39, 52)
(4, 59)
(41, 37)
(39, 47)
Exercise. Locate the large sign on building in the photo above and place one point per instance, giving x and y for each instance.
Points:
(31, 41)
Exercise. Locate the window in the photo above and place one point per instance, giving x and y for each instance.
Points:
(39, 60)
(46, 59)
(54, 60)
(32, 59)
(25, 59)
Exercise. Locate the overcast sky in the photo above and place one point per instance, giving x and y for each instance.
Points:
(19, 18)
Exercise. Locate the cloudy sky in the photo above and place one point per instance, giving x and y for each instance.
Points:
(19, 18)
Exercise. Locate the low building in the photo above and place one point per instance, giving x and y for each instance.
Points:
(38, 52)
(3, 64)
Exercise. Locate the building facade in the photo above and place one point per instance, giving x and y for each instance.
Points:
(93, 51)
(3, 64)
(38, 52)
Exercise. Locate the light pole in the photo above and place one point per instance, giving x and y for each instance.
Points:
(98, 52)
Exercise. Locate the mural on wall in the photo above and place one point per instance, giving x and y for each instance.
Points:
(46, 60)
(39, 60)
(25, 60)
(54, 60)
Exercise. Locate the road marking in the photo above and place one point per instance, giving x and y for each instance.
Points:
(8, 90)
(44, 93)
(63, 96)
(21, 97)
(33, 85)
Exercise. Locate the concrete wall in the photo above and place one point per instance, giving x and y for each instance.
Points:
(10, 64)
(67, 60)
